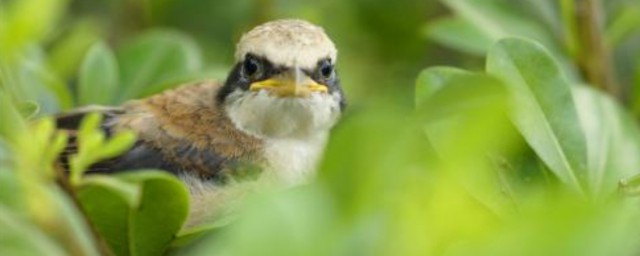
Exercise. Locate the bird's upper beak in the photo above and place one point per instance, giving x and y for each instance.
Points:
(290, 84)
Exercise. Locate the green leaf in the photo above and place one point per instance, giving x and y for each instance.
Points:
(89, 124)
(89, 140)
(459, 34)
(543, 107)
(465, 108)
(155, 61)
(98, 77)
(30, 80)
(614, 140)
(28, 109)
(547, 12)
(67, 53)
(492, 20)
(190, 235)
(107, 207)
(432, 79)
(124, 190)
(138, 213)
(12, 123)
(80, 240)
(18, 237)
(477, 12)
(447, 92)
(9, 183)
(27, 21)
(117, 144)
(623, 25)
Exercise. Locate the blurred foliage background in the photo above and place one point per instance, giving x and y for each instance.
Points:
(529, 146)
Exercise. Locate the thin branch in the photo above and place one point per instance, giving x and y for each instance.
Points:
(63, 182)
(594, 59)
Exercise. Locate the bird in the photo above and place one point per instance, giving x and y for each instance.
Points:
(267, 123)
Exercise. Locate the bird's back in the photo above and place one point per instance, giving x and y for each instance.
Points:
(183, 131)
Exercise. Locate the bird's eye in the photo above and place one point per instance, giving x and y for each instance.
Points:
(251, 66)
(326, 69)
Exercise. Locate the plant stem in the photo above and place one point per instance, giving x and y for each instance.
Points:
(595, 58)
(64, 183)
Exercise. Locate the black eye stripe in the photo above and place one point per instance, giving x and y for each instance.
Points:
(239, 80)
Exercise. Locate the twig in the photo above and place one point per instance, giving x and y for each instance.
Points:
(594, 59)
(63, 182)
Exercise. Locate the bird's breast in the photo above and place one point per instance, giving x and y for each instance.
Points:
(292, 161)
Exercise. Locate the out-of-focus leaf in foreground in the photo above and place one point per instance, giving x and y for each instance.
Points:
(93, 146)
(23, 22)
(613, 140)
(35, 198)
(137, 213)
(480, 23)
(543, 108)
(466, 108)
(22, 238)
(460, 34)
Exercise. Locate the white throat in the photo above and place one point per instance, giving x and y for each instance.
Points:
(294, 130)
(271, 117)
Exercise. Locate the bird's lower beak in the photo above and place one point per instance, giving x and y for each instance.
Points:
(289, 87)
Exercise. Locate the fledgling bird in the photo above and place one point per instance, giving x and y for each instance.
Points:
(269, 120)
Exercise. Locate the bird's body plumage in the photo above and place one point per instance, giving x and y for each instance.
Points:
(179, 130)
(266, 124)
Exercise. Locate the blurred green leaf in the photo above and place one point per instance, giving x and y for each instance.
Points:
(432, 79)
(89, 141)
(28, 109)
(468, 108)
(155, 61)
(547, 12)
(614, 140)
(570, 27)
(108, 202)
(453, 97)
(288, 224)
(93, 146)
(67, 225)
(543, 109)
(25, 22)
(28, 79)
(9, 185)
(385, 133)
(494, 20)
(126, 191)
(630, 186)
(19, 237)
(69, 48)
(138, 213)
(117, 144)
(99, 79)
(459, 34)
(191, 235)
(623, 25)
(12, 124)
(635, 91)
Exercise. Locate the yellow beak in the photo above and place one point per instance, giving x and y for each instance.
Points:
(288, 87)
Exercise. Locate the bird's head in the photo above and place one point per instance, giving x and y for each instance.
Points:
(284, 83)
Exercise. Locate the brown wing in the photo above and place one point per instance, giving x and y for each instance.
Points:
(181, 130)
(70, 122)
